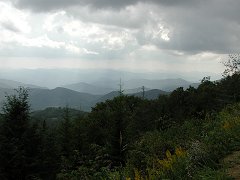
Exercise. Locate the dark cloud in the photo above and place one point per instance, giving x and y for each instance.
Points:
(9, 26)
(48, 5)
(212, 27)
(131, 18)
(194, 26)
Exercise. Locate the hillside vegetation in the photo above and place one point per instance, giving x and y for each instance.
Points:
(182, 135)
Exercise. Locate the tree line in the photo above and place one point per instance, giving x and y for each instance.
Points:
(109, 138)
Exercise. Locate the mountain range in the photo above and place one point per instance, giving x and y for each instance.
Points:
(103, 86)
(10, 84)
(52, 78)
(83, 95)
(86, 87)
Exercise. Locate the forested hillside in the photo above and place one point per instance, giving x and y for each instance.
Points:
(182, 135)
(39, 99)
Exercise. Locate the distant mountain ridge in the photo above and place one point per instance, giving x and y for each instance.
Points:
(41, 98)
(89, 88)
(10, 84)
(163, 84)
(61, 97)
(52, 78)
(105, 86)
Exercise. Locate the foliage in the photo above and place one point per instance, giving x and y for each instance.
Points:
(18, 140)
(232, 65)
(208, 173)
(183, 135)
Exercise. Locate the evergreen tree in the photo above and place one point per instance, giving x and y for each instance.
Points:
(65, 134)
(17, 153)
(48, 156)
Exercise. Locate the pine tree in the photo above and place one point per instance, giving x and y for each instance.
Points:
(65, 132)
(13, 136)
(49, 158)
(16, 136)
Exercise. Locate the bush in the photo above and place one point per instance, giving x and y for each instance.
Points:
(208, 173)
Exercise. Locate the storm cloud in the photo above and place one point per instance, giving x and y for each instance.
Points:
(161, 30)
(46, 5)
(190, 26)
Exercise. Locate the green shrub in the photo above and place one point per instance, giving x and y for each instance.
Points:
(208, 173)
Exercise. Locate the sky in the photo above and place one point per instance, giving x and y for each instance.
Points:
(132, 35)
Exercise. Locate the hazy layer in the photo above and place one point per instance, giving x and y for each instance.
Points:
(52, 78)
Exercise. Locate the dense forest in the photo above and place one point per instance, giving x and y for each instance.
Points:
(183, 135)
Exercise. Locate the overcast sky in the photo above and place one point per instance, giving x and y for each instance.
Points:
(134, 35)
